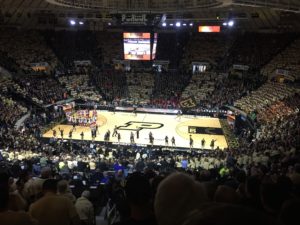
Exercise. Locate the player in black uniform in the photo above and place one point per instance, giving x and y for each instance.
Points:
(202, 143)
(119, 137)
(212, 143)
(115, 133)
(191, 142)
(54, 133)
(70, 133)
(131, 138)
(135, 110)
(173, 141)
(166, 141)
(61, 132)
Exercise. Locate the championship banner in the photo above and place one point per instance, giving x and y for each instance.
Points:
(188, 103)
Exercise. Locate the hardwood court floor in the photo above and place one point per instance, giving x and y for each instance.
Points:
(160, 125)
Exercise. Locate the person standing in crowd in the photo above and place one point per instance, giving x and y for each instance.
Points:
(52, 208)
(139, 194)
(137, 133)
(64, 190)
(8, 217)
(85, 209)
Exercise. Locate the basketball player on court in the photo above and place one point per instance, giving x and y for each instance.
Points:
(179, 113)
(166, 141)
(74, 125)
(131, 137)
(202, 143)
(70, 133)
(173, 141)
(134, 110)
(150, 136)
(82, 135)
(115, 133)
(191, 142)
(54, 133)
(97, 129)
(119, 137)
(152, 140)
(212, 143)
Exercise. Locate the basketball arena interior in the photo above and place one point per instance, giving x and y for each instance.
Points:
(149, 112)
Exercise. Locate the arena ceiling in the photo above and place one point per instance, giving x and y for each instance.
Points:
(250, 14)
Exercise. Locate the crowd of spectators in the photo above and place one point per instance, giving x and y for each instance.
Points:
(45, 90)
(109, 44)
(262, 175)
(168, 86)
(171, 47)
(26, 47)
(257, 49)
(279, 110)
(267, 94)
(71, 46)
(212, 90)
(10, 110)
(210, 48)
(140, 87)
(112, 84)
(79, 87)
(287, 60)
(52, 182)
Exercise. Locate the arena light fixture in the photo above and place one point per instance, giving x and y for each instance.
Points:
(164, 24)
(191, 24)
(178, 24)
(231, 23)
(171, 24)
(184, 24)
(225, 24)
(72, 22)
(81, 23)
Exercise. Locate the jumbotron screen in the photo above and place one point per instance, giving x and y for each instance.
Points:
(137, 46)
(209, 29)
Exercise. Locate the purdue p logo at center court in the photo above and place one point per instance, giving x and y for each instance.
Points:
(137, 126)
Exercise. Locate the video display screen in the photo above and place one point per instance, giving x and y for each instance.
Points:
(154, 46)
(209, 29)
(137, 46)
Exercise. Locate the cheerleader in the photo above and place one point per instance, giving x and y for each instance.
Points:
(85, 121)
(87, 113)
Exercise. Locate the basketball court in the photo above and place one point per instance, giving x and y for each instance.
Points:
(160, 125)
